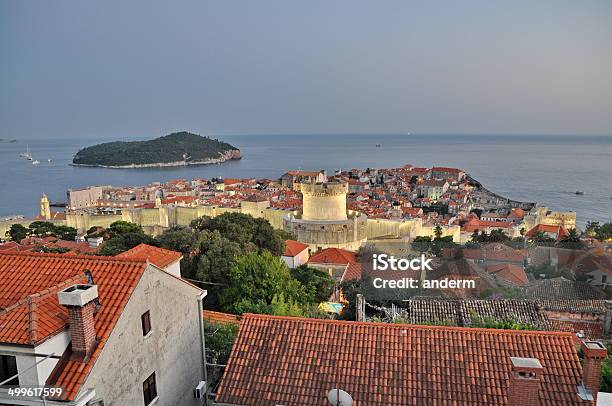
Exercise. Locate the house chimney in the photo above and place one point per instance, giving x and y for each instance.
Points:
(594, 353)
(524, 387)
(80, 300)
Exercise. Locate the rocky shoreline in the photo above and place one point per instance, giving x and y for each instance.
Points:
(229, 155)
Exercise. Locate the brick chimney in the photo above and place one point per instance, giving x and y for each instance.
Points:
(80, 300)
(524, 387)
(594, 353)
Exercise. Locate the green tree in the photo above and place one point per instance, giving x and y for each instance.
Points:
(54, 250)
(219, 340)
(97, 231)
(606, 371)
(498, 235)
(440, 243)
(604, 232)
(255, 280)
(41, 228)
(17, 232)
(124, 242)
(540, 238)
(65, 233)
(571, 240)
(318, 284)
(124, 227)
(243, 229)
(180, 239)
(214, 257)
(437, 231)
(421, 244)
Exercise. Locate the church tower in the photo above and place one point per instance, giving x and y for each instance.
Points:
(45, 209)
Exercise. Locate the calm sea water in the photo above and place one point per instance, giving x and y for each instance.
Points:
(545, 169)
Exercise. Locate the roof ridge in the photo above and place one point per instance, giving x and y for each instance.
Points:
(71, 257)
(32, 319)
(246, 316)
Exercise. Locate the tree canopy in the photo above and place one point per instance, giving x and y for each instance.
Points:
(18, 232)
(256, 280)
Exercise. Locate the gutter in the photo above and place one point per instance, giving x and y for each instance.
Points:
(203, 342)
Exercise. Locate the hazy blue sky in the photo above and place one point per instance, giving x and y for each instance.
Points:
(81, 68)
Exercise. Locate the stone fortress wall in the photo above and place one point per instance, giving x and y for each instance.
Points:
(327, 223)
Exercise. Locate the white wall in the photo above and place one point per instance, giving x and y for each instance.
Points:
(173, 349)
(37, 375)
(174, 268)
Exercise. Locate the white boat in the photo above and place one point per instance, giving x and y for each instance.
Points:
(35, 162)
(49, 160)
(26, 155)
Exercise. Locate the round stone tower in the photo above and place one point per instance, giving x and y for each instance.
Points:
(324, 221)
(324, 201)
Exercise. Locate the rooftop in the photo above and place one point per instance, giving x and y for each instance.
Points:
(28, 290)
(296, 361)
(160, 257)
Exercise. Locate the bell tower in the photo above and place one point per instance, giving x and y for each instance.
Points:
(45, 209)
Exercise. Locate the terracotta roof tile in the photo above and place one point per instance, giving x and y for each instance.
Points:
(545, 228)
(25, 274)
(159, 257)
(296, 361)
(293, 248)
(333, 256)
(510, 273)
(220, 317)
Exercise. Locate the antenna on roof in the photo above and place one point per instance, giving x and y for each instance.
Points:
(338, 397)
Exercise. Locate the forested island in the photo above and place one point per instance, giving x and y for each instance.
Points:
(176, 149)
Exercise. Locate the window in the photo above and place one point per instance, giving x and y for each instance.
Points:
(146, 323)
(8, 368)
(604, 278)
(149, 389)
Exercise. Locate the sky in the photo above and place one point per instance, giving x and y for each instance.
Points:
(134, 68)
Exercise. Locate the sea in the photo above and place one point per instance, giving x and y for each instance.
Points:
(546, 169)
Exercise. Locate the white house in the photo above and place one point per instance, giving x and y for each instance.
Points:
(107, 331)
(296, 253)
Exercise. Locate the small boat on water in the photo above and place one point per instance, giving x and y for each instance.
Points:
(26, 155)
(49, 160)
(378, 145)
(579, 192)
(35, 162)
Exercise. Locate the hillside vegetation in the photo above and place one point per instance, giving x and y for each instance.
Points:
(181, 147)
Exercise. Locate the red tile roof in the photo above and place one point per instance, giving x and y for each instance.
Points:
(296, 361)
(220, 317)
(352, 273)
(36, 317)
(474, 224)
(511, 273)
(25, 274)
(293, 248)
(159, 257)
(333, 256)
(544, 228)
